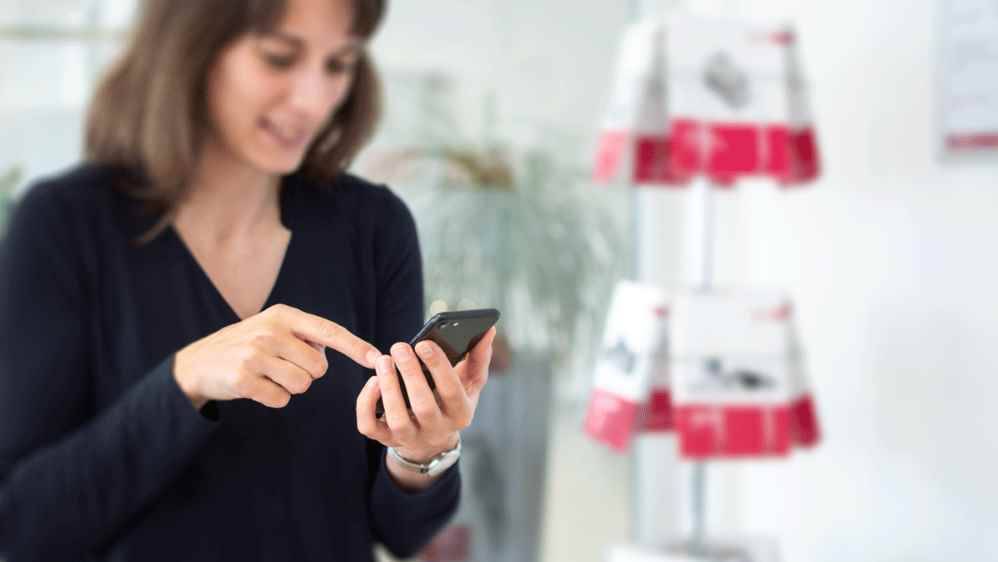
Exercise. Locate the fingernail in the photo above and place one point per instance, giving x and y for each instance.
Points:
(424, 350)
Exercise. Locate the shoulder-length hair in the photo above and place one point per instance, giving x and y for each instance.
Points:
(149, 111)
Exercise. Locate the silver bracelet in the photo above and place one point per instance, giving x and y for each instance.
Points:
(434, 466)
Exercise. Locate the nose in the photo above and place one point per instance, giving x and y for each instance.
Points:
(314, 93)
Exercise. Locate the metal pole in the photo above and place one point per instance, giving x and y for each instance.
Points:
(703, 206)
(700, 207)
(634, 14)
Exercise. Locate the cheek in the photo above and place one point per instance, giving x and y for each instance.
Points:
(236, 100)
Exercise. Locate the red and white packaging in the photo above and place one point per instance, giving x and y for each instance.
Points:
(634, 349)
(803, 164)
(738, 380)
(805, 430)
(737, 103)
(657, 415)
(633, 145)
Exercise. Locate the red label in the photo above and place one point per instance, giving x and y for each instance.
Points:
(611, 149)
(732, 431)
(972, 141)
(727, 151)
(611, 419)
(804, 422)
(803, 165)
(724, 152)
(652, 163)
(659, 414)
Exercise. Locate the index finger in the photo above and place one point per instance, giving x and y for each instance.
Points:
(329, 333)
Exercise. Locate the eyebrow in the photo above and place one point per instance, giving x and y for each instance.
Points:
(351, 47)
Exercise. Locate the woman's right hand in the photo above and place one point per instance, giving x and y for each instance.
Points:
(266, 357)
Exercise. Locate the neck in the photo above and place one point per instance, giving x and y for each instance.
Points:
(228, 201)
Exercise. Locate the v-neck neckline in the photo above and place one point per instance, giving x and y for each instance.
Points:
(284, 211)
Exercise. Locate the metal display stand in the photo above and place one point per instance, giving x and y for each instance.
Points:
(699, 251)
(701, 206)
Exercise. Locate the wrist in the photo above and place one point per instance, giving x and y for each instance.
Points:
(416, 474)
(186, 385)
(424, 455)
(405, 478)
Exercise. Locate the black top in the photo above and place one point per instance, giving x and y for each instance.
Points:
(103, 457)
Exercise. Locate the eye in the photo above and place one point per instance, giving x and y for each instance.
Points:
(337, 66)
(278, 61)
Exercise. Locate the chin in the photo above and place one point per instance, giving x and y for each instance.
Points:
(287, 168)
(278, 166)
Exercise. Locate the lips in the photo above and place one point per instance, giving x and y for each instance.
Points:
(287, 136)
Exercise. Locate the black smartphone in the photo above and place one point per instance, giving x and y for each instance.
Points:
(456, 333)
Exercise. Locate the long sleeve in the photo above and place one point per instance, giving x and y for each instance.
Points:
(403, 521)
(71, 477)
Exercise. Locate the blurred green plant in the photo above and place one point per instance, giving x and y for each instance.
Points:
(8, 181)
(521, 231)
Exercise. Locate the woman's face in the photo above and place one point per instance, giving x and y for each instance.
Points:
(270, 94)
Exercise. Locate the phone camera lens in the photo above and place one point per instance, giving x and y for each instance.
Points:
(456, 324)
(444, 325)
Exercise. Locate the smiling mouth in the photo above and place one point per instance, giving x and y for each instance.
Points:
(285, 136)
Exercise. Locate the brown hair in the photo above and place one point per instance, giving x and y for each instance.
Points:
(149, 110)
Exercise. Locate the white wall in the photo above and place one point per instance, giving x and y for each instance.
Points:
(45, 83)
(545, 61)
(888, 257)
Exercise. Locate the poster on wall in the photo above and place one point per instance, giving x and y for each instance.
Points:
(967, 77)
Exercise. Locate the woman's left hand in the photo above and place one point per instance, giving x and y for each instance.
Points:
(437, 416)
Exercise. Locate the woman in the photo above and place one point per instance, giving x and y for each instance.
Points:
(166, 392)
